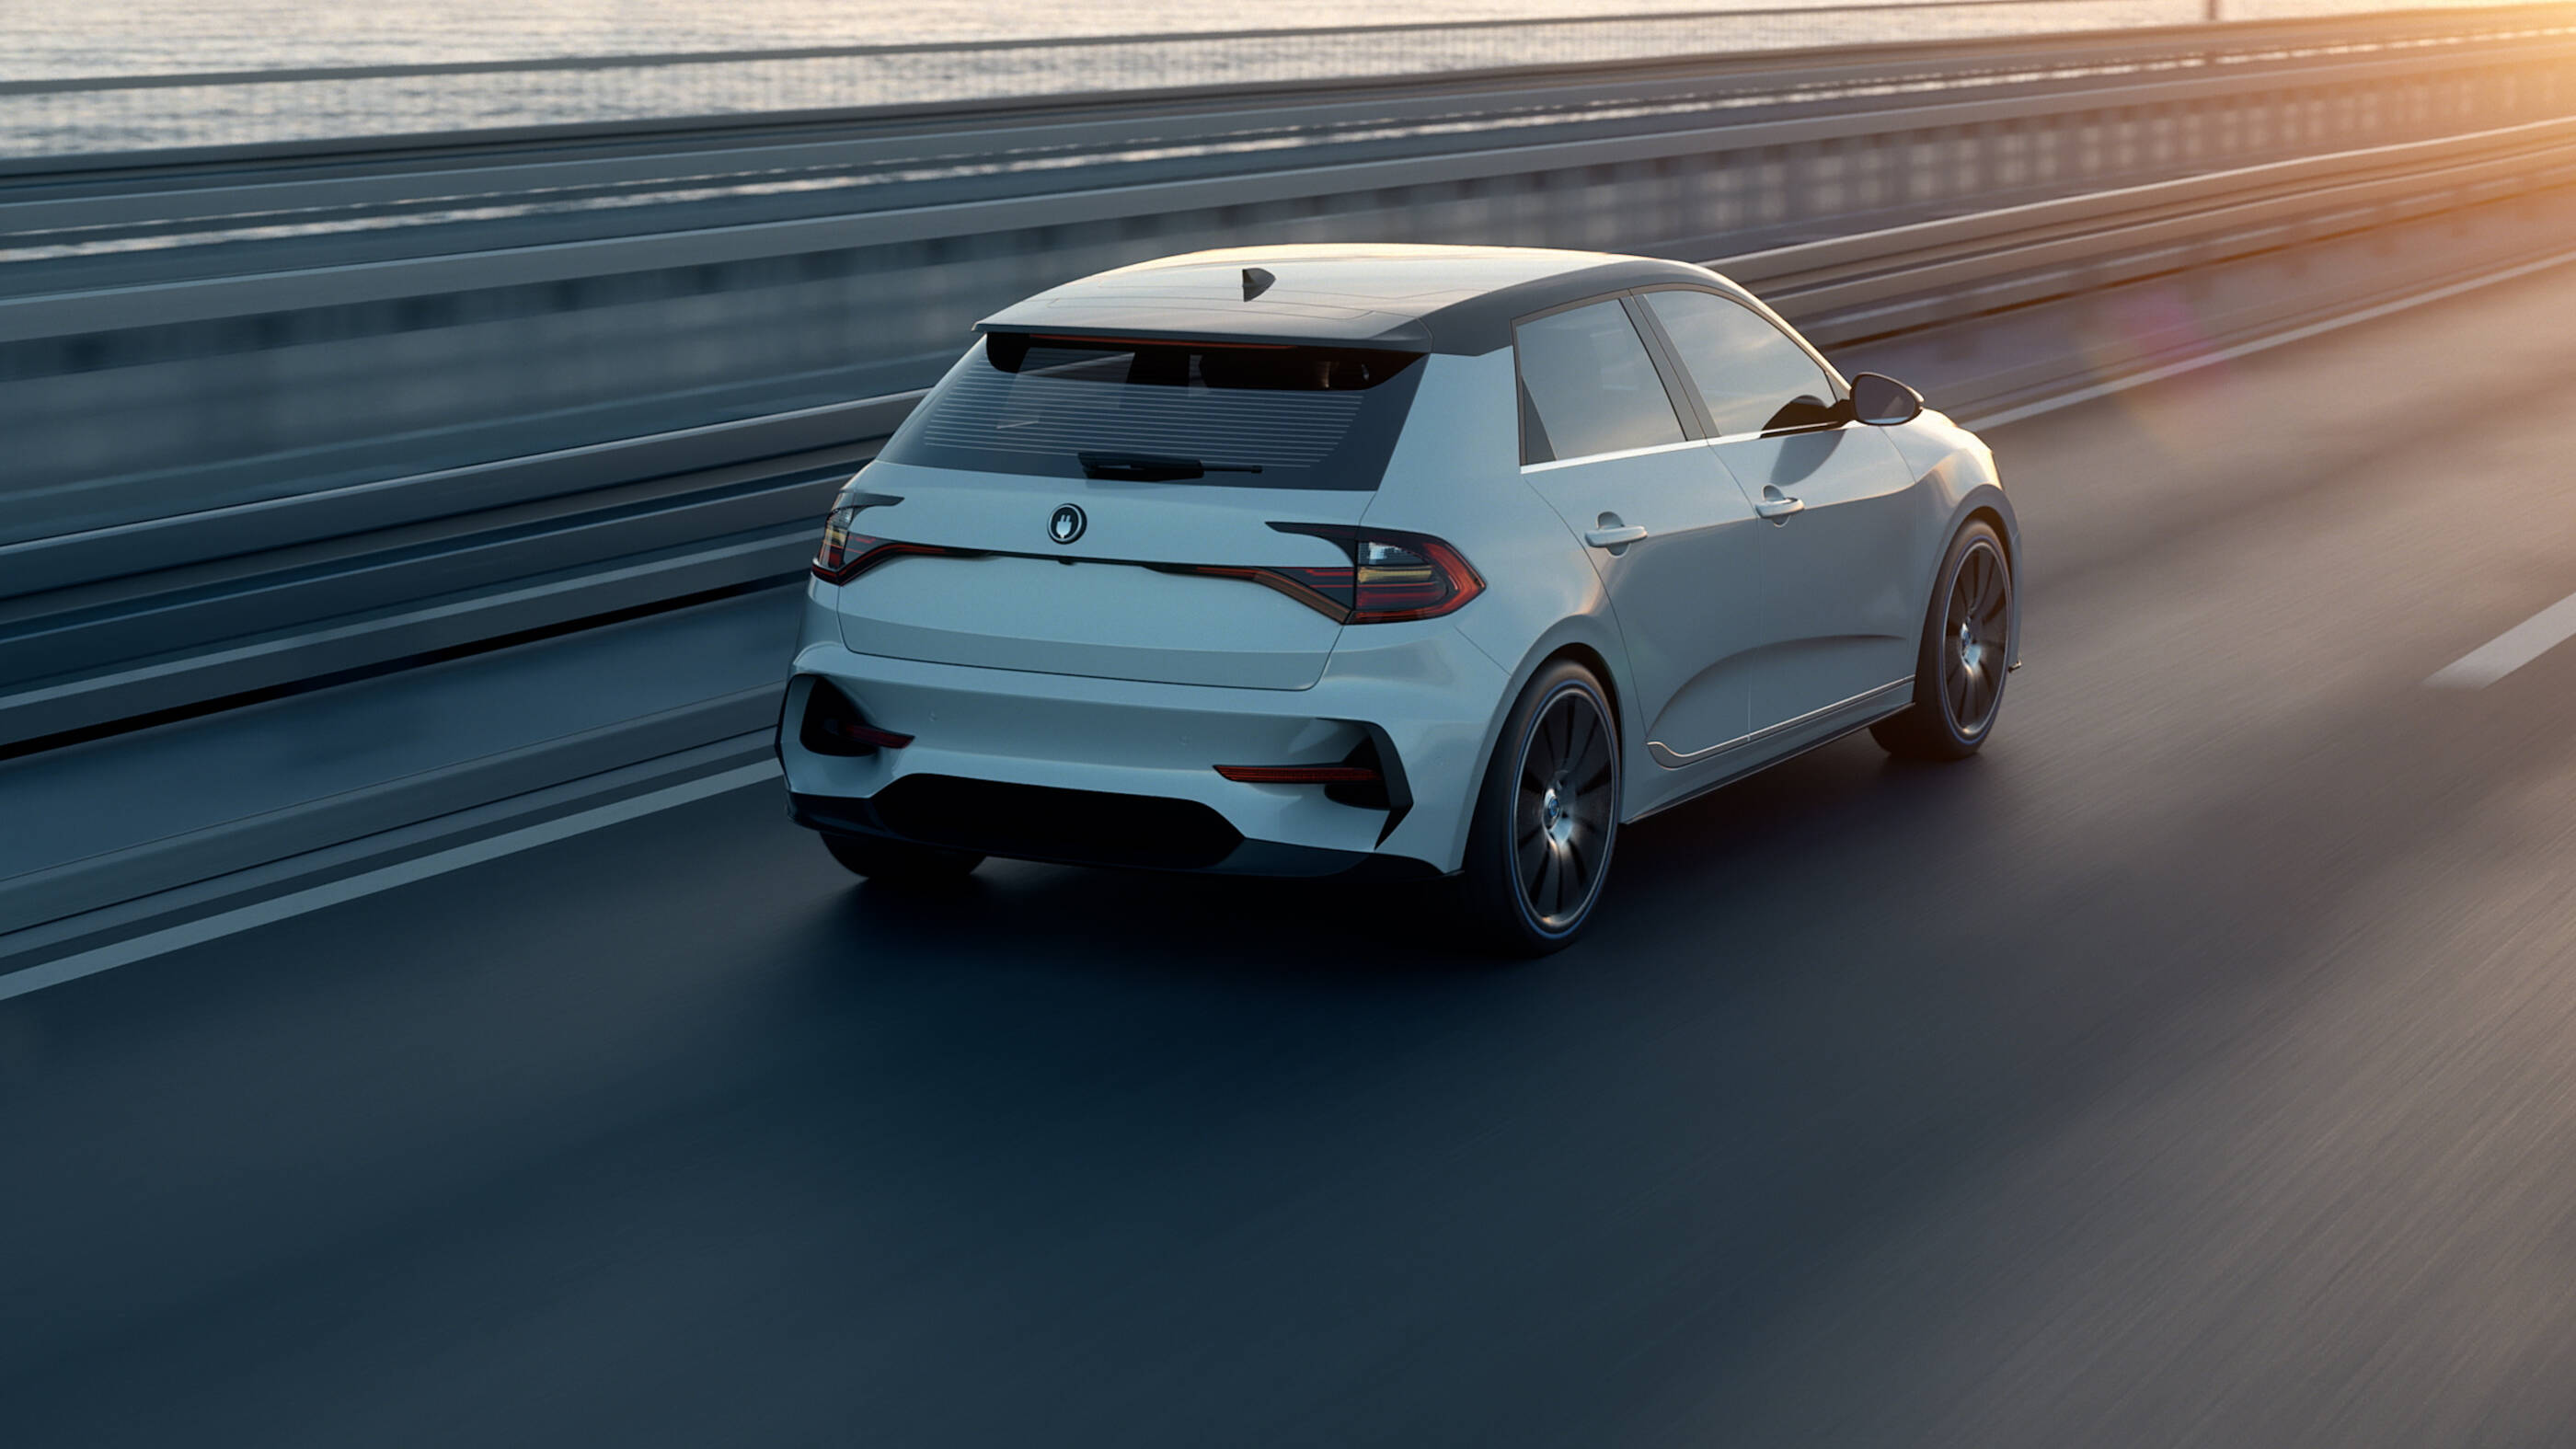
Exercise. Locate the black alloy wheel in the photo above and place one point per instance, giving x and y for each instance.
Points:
(1973, 640)
(1966, 653)
(1548, 817)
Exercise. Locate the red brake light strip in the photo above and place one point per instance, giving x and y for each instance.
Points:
(1299, 774)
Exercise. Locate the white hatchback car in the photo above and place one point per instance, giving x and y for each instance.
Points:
(1440, 561)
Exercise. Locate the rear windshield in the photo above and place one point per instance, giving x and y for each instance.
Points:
(1230, 414)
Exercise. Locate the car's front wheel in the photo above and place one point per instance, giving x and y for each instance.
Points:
(1966, 652)
(899, 861)
(1539, 846)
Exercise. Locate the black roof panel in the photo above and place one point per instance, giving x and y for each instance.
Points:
(1412, 298)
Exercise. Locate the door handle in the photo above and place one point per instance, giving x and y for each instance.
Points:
(1778, 507)
(1619, 537)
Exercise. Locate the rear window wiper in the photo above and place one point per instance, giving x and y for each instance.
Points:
(1154, 467)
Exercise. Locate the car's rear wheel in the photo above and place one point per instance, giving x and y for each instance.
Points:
(1967, 650)
(1546, 818)
(899, 861)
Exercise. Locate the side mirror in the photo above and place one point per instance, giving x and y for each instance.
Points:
(1883, 401)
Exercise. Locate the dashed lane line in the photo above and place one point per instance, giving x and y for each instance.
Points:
(2510, 650)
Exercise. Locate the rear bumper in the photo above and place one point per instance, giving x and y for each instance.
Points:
(1112, 772)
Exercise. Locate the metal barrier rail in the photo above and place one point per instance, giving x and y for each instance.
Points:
(1845, 289)
(381, 200)
(1261, 128)
(146, 112)
(1711, 185)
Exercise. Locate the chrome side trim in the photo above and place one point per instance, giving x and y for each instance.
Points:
(1673, 759)
(1724, 438)
(1648, 451)
(1741, 769)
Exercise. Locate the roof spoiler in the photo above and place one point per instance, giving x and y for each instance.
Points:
(1252, 327)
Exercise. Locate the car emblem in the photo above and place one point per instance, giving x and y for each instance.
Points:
(1067, 525)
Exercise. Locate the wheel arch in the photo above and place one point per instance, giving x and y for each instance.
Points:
(1594, 654)
(1588, 640)
(1591, 659)
(1988, 505)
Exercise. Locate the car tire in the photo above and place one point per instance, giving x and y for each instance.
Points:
(1965, 657)
(900, 861)
(1546, 817)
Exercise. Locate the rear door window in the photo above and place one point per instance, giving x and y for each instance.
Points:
(1588, 386)
(1751, 377)
(1231, 414)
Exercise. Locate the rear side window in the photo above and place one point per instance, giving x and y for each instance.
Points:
(1231, 414)
(1751, 376)
(1588, 386)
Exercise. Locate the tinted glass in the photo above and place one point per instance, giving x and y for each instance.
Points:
(1202, 412)
(1587, 386)
(1753, 378)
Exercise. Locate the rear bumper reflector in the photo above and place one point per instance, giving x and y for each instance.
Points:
(834, 726)
(1299, 774)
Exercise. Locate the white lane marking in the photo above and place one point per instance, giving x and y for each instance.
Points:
(2510, 650)
(2260, 344)
(367, 883)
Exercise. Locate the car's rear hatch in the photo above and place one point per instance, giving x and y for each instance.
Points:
(1107, 508)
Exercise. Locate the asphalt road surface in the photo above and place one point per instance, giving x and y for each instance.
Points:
(2197, 1066)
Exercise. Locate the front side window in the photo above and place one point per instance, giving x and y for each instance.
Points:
(1748, 372)
(1250, 415)
(1588, 386)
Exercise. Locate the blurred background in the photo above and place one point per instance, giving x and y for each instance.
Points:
(418, 1022)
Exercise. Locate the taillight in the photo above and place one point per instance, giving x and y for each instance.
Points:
(1392, 576)
(832, 560)
(846, 555)
(1417, 578)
